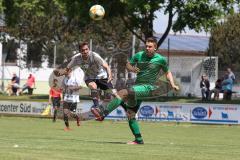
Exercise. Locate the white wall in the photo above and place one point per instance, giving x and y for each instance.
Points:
(41, 74)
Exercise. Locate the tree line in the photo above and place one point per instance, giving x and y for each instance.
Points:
(45, 23)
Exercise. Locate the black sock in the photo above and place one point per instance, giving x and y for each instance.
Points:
(55, 114)
(66, 120)
(95, 97)
(95, 101)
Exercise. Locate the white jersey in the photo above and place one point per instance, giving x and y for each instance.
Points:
(92, 67)
(72, 80)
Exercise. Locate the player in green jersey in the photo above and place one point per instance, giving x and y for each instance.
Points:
(148, 65)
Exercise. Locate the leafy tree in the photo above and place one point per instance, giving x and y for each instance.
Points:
(43, 22)
(224, 42)
(195, 14)
(138, 15)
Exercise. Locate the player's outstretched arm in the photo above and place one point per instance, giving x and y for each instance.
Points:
(65, 70)
(132, 68)
(75, 88)
(61, 72)
(109, 72)
(170, 78)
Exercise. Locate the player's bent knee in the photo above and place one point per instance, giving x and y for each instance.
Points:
(123, 93)
(131, 115)
(92, 85)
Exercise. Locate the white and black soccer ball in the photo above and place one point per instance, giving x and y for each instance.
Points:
(97, 12)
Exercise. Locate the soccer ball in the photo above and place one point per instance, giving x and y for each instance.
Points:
(97, 12)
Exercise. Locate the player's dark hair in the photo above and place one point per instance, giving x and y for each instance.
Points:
(152, 40)
(82, 44)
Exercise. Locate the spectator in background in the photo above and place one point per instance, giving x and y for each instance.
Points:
(204, 85)
(217, 89)
(15, 81)
(30, 85)
(227, 85)
(231, 74)
(55, 98)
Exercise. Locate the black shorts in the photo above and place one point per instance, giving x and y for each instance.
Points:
(71, 106)
(56, 101)
(103, 84)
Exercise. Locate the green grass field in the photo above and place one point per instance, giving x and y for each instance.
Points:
(40, 139)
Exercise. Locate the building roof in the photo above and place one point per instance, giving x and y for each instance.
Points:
(185, 42)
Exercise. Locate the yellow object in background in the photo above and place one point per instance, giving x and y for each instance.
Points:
(47, 111)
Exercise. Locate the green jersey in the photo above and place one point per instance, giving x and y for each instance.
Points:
(150, 67)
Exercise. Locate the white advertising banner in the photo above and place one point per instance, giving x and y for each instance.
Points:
(150, 111)
(34, 108)
(194, 113)
(22, 107)
(216, 113)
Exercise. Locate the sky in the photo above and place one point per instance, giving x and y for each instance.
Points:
(160, 24)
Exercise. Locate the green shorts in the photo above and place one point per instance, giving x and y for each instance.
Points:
(144, 90)
(137, 93)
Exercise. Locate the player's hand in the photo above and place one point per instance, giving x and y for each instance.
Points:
(135, 70)
(110, 79)
(56, 72)
(60, 72)
(175, 87)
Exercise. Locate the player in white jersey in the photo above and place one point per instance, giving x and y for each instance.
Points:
(97, 72)
(71, 86)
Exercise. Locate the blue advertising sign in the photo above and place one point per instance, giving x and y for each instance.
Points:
(146, 111)
(199, 112)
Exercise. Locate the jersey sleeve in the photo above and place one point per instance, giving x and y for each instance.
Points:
(75, 61)
(133, 60)
(98, 59)
(164, 64)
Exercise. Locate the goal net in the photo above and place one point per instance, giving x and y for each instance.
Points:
(188, 72)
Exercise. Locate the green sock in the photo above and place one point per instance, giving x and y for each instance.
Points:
(133, 124)
(113, 104)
